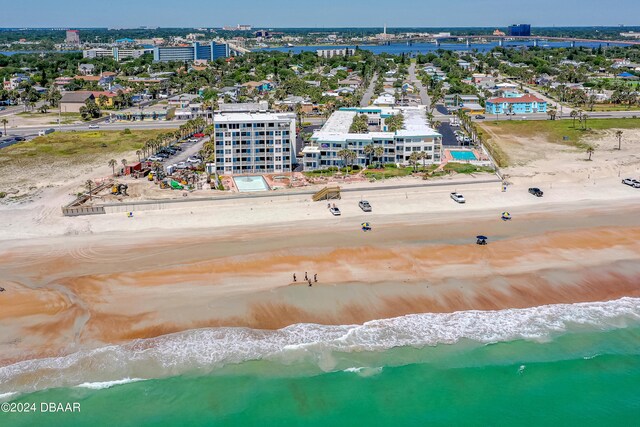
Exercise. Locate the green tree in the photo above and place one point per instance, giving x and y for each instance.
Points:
(113, 164)
(90, 110)
(619, 136)
(574, 115)
(4, 122)
(590, 151)
(44, 109)
(369, 150)
(53, 97)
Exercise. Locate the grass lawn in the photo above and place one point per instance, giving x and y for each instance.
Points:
(466, 168)
(615, 107)
(78, 146)
(388, 172)
(557, 130)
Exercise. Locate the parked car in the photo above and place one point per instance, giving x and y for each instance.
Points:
(94, 127)
(479, 117)
(457, 197)
(182, 165)
(46, 132)
(631, 182)
(155, 159)
(3, 108)
(19, 138)
(365, 206)
(536, 191)
(193, 140)
(198, 135)
(193, 160)
(334, 211)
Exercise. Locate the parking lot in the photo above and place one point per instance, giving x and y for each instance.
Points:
(448, 137)
(188, 149)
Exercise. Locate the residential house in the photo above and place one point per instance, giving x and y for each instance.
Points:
(71, 102)
(86, 69)
(259, 87)
(183, 100)
(353, 82)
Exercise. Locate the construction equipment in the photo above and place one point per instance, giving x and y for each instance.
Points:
(176, 185)
(327, 193)
(119, 189)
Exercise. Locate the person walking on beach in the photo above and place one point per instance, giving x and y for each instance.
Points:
(305, 276)
(310, 282)
(315, 278)
(294, 277)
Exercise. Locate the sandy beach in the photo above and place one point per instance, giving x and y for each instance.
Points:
(112, 278)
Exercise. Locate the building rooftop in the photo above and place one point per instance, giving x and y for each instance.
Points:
(515, 100)
(251, 117)
(337, 127)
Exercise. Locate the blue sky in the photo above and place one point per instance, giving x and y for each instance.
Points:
(318, 13)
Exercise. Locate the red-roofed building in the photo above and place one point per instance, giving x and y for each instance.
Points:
(525, 104)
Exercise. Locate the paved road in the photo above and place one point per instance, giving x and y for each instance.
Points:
(424, 97)
(368, 94)
(33, 130)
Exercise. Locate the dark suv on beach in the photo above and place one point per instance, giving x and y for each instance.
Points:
(536, 191)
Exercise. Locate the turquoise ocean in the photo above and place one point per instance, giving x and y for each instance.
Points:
(557, 365)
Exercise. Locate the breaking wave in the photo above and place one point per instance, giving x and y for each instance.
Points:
(212, 348)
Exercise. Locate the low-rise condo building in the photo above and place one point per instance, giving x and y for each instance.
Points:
(254, 142)
(414, 136)
(516, 105)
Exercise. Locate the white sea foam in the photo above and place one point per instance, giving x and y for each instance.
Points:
(207, 349)
(365, 371)
(6, 396)
(108, 384)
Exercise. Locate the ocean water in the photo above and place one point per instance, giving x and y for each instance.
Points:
(569, 365)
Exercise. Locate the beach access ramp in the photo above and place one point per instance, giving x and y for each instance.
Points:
(327, 193)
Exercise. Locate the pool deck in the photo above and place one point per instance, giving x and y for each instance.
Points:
(448, 157)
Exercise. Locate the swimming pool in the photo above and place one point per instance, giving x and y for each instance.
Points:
(247, 184)
(463, 155)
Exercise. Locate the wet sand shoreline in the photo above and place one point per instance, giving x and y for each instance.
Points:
(64, 295)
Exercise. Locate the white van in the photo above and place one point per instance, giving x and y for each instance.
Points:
(44, 132)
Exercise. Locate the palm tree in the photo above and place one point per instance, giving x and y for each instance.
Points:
(378, 152)
(424, 156)
(299, 114)
(113, 164)
(4, 122)
(584, 121)
(413, 160)
(124, 163)
(590, 151)
(619, 136)
(574, 115)
(510, 110)
(139, 153)
(89, 185)
(347, 156)
(368, 151)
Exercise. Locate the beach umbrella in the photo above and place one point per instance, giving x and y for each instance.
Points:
(366, 224)
(506, 215)
(482, 237)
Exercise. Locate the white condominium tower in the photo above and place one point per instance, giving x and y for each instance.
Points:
(254, 142)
